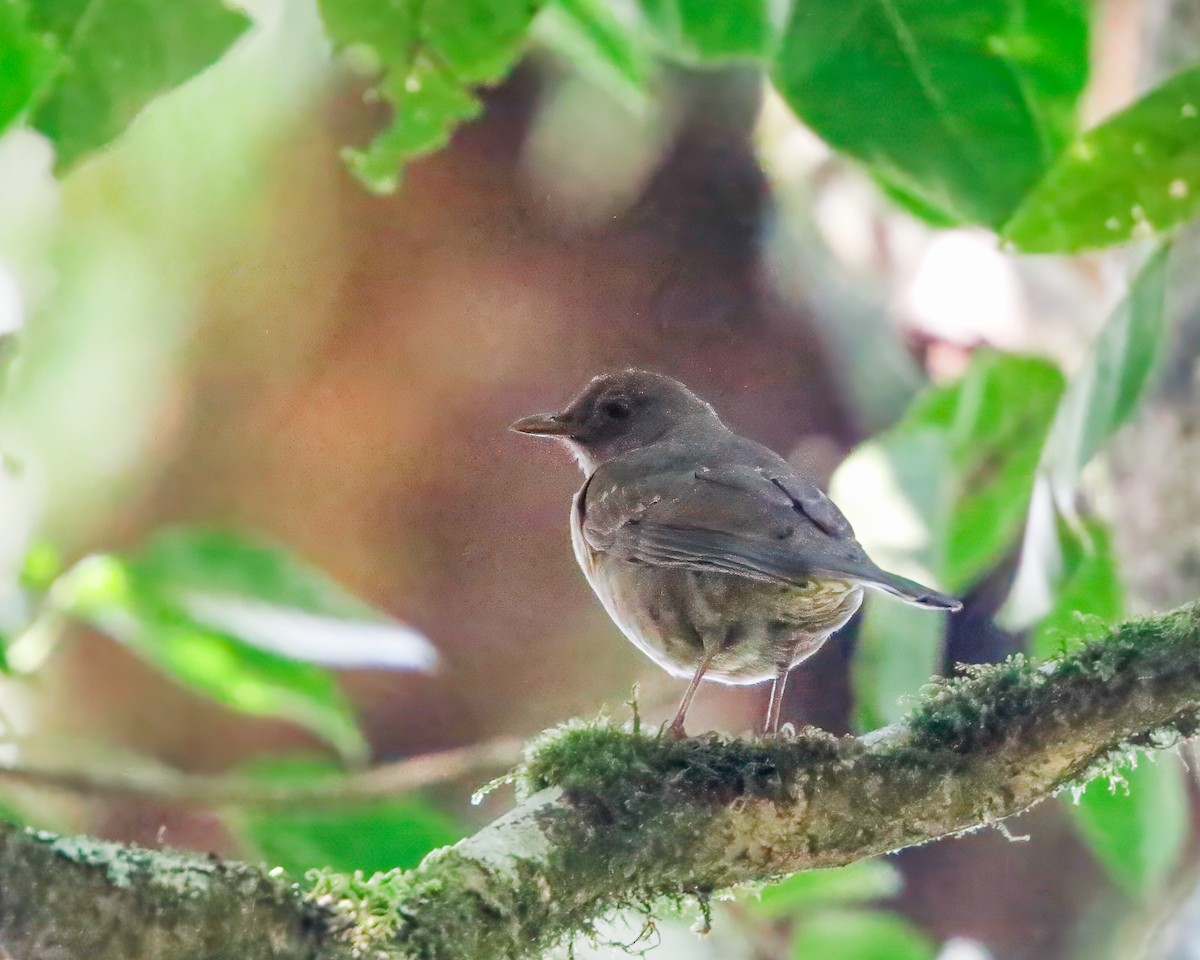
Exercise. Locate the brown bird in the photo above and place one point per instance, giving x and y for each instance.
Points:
(713, 556)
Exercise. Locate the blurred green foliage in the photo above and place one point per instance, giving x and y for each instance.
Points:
(83, 70)
(860, 935)
(239, 620)
(841, 886)
(1137, 827)
(429, 56)
(370, 837)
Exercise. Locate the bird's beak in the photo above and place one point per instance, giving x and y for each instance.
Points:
(544, 425)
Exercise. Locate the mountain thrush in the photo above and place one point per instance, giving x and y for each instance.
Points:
(707, 549)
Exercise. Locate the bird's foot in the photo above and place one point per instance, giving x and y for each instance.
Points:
(675, 730)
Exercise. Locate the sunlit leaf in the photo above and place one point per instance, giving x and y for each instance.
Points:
(370, 837)
(963, 106)
(1138, 829)
(856, 883)
(860, 935)
(105, 593)
(114, 56)
(703, 31)
(430, 56)
(27, 61)
(1135, 175)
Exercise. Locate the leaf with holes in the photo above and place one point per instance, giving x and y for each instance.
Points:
(1135, 175)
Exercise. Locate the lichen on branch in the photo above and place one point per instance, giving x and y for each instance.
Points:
(611, 819)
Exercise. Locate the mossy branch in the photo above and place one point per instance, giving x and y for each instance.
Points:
(611, 819)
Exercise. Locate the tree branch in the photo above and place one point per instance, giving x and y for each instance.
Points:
(613, 820)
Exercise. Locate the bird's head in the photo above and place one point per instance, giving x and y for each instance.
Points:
(620, 412)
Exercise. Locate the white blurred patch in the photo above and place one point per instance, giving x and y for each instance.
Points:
(12, 306)
(307, 636)
(589, 155)
(966, 290)
(20, 510)
(960, 948)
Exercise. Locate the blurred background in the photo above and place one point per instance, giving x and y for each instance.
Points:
(217, 325)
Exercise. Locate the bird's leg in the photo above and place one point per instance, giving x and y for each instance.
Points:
(677, 730)
(771, 727)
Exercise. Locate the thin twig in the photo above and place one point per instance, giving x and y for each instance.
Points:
(381, 782)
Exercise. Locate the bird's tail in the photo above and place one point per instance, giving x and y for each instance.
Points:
(912, 592)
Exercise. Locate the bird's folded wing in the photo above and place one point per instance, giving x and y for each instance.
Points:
(701, 549)
(736, 519)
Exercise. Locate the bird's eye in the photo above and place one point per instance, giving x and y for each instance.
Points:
(617, 409)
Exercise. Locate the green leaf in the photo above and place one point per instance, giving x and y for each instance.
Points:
(1138, 829)
(1088, 596)
(1001, 413)
(258, 592)
(706, 32)
(856, 883)
(860, 935)
(1133, 176)
(430, 56)
(27, 60)
(369, 837)
(104, 592)
(114, 56)
(963, 106)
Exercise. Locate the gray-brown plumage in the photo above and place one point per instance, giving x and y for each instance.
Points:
(708, 550)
